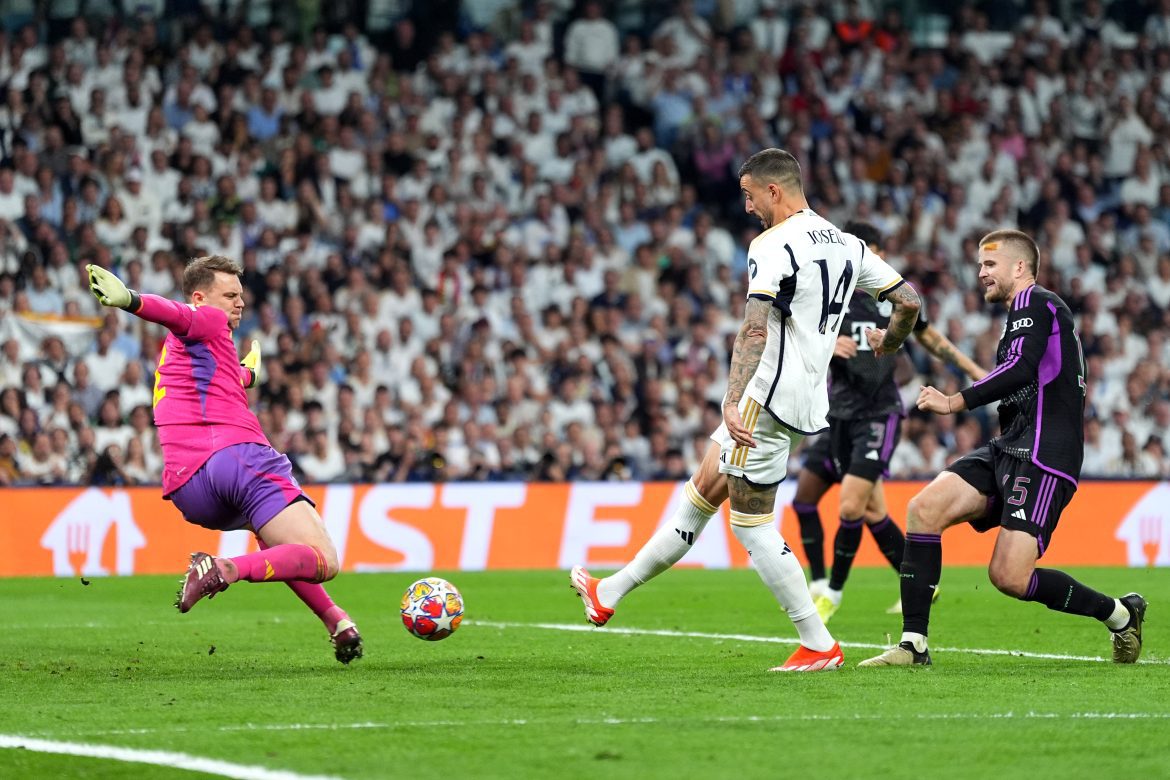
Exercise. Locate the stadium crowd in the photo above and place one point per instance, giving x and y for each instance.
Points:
(506, 241)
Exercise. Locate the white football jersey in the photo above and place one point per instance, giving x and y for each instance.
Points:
(808, 269)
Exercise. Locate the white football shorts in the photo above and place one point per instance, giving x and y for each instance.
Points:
(767, 462)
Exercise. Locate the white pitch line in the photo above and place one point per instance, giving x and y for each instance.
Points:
(780, 640)
(649, 720)
(165, 758)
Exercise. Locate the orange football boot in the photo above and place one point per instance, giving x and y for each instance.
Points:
(805, 660)
(586, 588)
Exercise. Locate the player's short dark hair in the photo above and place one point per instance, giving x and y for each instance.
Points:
(867, 232)
(1020, 243)
(200, 272)
(774, 166)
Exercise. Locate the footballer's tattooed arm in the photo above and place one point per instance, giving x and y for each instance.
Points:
(941, 347)
(749, 346)
(906, 305)
(745, 358)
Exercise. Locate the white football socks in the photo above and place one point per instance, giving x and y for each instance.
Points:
(1120, 617)
(664, 549)
(918, 640)
(781, 572)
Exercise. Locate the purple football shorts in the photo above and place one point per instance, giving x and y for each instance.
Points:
(241, 486)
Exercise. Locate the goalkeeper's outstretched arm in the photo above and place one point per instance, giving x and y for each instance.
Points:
(184, 320)
(112, 291)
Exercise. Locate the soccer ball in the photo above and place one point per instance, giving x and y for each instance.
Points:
(432, 609)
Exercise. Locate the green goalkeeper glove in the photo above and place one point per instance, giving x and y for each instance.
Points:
(251, 362)
(109, 289)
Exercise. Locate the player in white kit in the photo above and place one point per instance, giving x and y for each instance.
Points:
(802, 272)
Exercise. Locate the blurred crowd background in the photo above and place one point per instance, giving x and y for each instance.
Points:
(504, 240)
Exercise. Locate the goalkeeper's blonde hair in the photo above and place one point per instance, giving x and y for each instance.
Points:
(200, 272)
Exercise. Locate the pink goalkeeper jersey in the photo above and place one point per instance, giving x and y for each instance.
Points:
(200, 406)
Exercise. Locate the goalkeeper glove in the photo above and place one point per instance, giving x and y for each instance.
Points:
(110, 291)
(251, 362)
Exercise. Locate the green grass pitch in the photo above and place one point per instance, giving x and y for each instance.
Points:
(249, 678)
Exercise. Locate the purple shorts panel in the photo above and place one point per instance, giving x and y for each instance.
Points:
(241, 486)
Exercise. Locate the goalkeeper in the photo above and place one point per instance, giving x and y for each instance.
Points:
(218, 466)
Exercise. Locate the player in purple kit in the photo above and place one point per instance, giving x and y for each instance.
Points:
(1024, 478)
(218, 466)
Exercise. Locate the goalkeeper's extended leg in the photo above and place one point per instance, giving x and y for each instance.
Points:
(299, 522)
(294, 549)
(343, 632)
(207, 575)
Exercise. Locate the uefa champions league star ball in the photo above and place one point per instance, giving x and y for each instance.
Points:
(432, 609)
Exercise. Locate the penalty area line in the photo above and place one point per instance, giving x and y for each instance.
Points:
(210, 766)
(780, 640)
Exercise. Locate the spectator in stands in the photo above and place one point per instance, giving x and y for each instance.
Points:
(591, 47)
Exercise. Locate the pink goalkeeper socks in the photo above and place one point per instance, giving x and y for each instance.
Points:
(315, 598)
(282, 563)
(318, 600)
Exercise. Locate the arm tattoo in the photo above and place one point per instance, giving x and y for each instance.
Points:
(947, 355)
(941, 347)
(749, 346)
(906, 305)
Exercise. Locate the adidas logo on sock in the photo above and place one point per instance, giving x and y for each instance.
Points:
(687, 536)
(786, 550)
(1019, 514)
